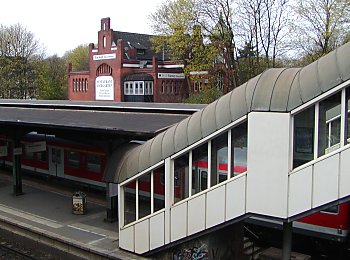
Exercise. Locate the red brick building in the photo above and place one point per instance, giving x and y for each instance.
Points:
(123, 67)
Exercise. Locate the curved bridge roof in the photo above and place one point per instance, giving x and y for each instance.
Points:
(275, 90)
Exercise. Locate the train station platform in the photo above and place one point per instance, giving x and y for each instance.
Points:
(45, 212)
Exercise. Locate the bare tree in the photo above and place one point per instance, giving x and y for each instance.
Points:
(19, 51)
(320, 26)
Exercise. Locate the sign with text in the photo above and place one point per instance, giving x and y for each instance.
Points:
(104, 88)
(35, 147)
(110, 56)
(171, 75)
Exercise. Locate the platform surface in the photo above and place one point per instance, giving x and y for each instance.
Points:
(47, 209)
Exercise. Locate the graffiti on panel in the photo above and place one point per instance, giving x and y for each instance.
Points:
(195, 253)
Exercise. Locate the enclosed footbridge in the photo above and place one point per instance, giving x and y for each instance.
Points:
(275, 147)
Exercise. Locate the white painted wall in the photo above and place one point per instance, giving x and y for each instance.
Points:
(268, 163)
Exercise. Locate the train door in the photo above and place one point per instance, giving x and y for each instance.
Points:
(56, 160)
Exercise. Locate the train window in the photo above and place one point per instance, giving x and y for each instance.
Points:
(181, 178)
(219, 155)
(239, 149)
(158, 189)
(41, 156)
(304, 125)
(329, 124)
(199, 163)
(129, 202)
(144, 197)
(93, 163)
(331, 210)
(28, 155)
(73, 159)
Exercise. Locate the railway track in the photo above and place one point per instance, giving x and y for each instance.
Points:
(8, 251)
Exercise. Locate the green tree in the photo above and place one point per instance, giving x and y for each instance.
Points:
(79, 57)
(52, 79)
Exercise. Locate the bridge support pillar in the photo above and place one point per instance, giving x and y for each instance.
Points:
(16, 167)
(112, 202)
(287, 240)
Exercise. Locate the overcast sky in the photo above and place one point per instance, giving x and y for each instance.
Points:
(63, 25)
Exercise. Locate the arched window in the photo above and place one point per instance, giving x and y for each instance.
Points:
(104, 69)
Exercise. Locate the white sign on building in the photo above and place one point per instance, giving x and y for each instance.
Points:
(171, 75)
(110, 56)
(104, 88)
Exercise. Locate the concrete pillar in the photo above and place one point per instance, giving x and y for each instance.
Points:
(287, 240)
(112, 202)
(16, 167)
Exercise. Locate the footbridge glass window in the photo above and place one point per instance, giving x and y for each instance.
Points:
(318, 129)
(199, 169)
(347, 103)
(219, 159)
(158, 189)
(144, 195)
(239, 151)
(129, 202)
(181, 178)
(212, 162)
(329, 124)
(304, 128)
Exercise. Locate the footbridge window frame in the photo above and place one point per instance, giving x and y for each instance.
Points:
(153, 210)
(344, 91)
(210, 183)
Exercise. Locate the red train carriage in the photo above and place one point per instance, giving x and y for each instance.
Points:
(86, 164)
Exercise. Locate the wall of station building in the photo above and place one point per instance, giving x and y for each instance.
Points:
(105, 80)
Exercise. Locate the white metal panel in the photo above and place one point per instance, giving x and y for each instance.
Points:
(142, 237)
(126, 239)
(215, 211)
(300, 191)
(344, 176)
(235, 198)
(178, 221)
(196, 214)
(157, 231)
(325, 185)
(268, 163)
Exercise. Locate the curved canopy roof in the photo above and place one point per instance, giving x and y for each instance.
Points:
(275, 90)
(138, 76)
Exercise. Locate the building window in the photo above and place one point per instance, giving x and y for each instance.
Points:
(126, 88)
(163, 87)
(104, 42)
